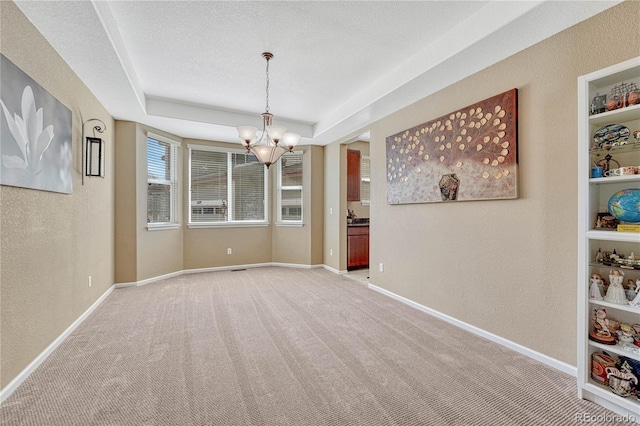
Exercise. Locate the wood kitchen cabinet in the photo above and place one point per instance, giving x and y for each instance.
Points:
(353, 175)
(357, 247)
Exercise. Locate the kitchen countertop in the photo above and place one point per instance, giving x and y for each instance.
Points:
(359, 222)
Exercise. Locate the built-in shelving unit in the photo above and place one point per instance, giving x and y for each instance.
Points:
(594, 194)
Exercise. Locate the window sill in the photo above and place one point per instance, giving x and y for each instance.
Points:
(228, 225)
(162, 226)
(290, 224)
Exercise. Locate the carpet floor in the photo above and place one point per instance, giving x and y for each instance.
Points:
(280, 346)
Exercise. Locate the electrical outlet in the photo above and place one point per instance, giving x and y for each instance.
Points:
(89, 280)
(381, 267)
(330, 210)
(330, 252)
(229, 250)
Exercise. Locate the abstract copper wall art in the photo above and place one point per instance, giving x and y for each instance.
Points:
(469, 154)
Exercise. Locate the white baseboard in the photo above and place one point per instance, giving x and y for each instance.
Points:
(17, 381)
(125, 285)
(295, 265)
(547, 360)
(223, 268)
(159, 278)
(335, 271)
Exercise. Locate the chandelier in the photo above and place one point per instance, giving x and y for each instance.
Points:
(274, 141)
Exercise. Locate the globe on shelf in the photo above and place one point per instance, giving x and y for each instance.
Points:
(625, 205)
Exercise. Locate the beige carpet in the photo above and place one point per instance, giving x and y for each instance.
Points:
(277, 346)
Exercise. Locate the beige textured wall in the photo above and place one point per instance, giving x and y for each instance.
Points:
(158, 251)
(508, 267)
(125, 203)
(316, 206)
(207, 247)
(140, 253)
(335, 204)
(303, 245)
(293, 244)
(50, 242)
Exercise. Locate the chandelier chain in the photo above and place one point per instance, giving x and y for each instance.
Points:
(267, 90)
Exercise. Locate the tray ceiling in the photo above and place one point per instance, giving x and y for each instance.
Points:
(194, 68)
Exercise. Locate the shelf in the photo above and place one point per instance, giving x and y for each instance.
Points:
(616, 179)
(615, 349)
(627, 308)
(613, 265)
(630, 146)
(616, 116)
(631, 237)
(631, 403)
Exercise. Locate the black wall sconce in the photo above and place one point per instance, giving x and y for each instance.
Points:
(93, 158)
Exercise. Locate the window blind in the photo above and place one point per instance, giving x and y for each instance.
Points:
(365, 179)
(248, 188)
(289, 194)
(162, 188)
(209, 198)
(226, 186)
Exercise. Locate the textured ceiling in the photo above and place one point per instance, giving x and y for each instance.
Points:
(194, 68)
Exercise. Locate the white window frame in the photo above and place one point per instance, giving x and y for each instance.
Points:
(228, 223)
(280, 188)
(173, 182)
(365, 179)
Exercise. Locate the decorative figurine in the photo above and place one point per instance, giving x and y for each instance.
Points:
(598, 105)
(621, 382)
(633, 95)
(605, 221)
(631, 293)
(636, 300)
(615, 292)
(625, 335)
(599, 362)
(599, 254)
(629, 260)
(618, 96)
(595, 287)
(602, 334)
(636, 328)
(624, 338)
(615, 102)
